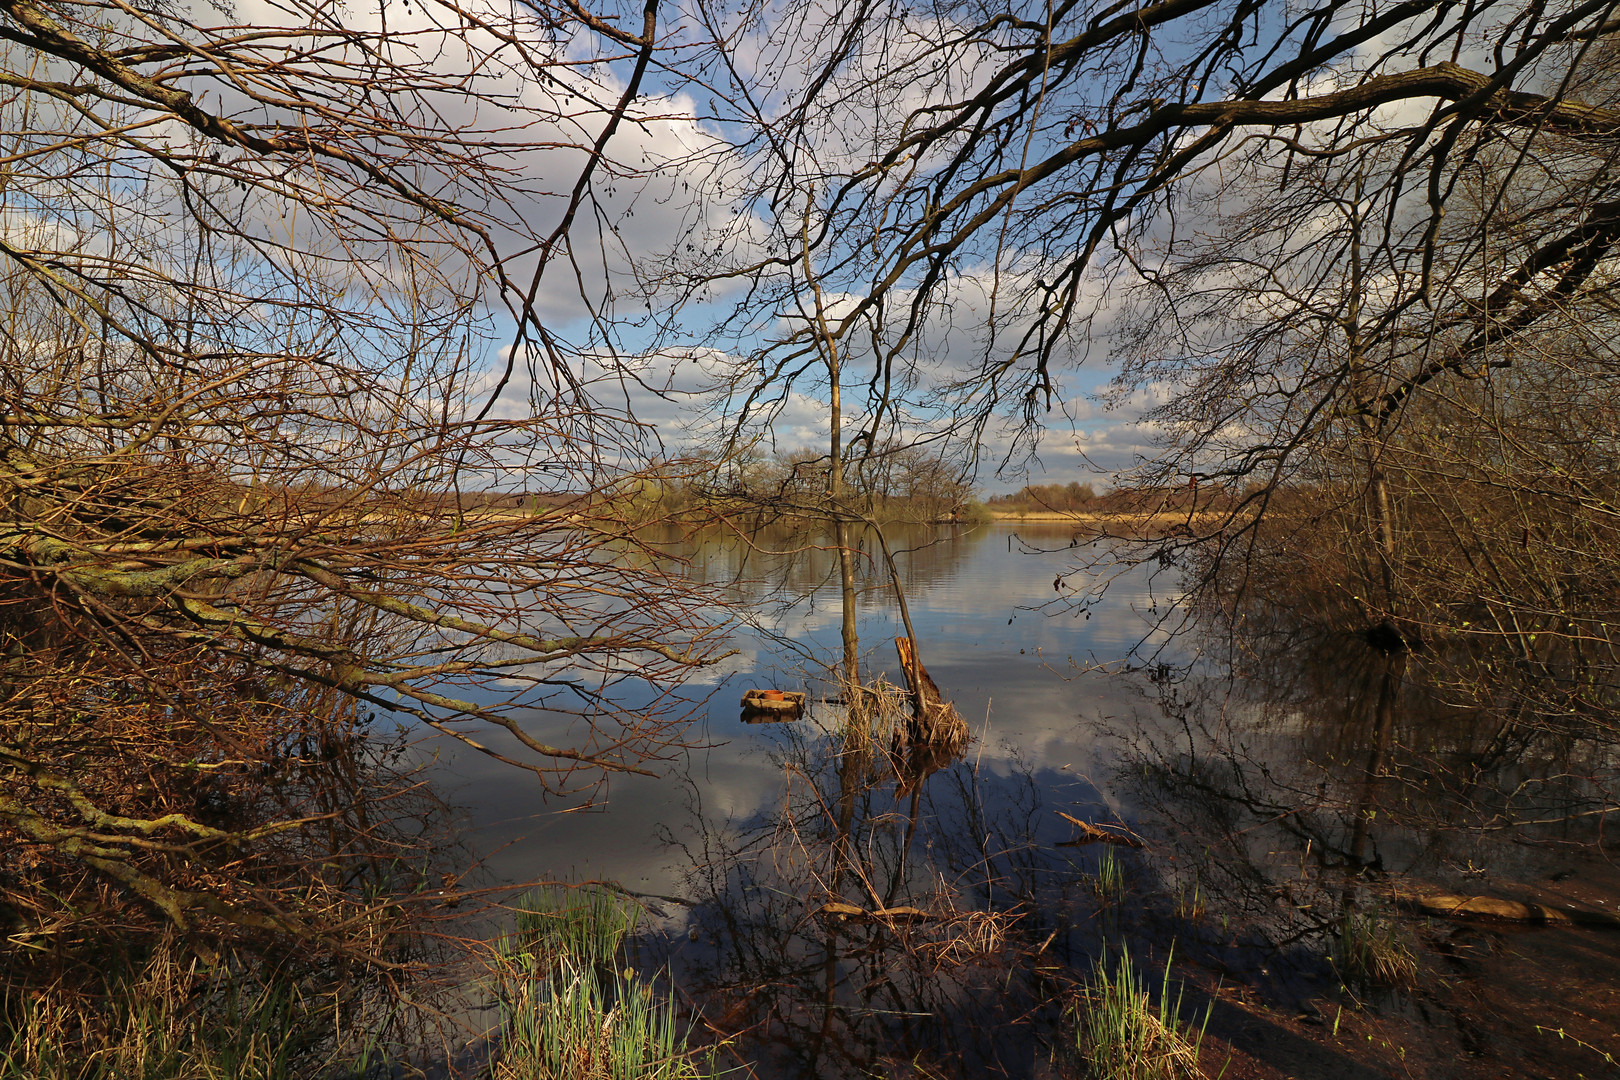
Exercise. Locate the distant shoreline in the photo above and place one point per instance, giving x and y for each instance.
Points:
(1094, 521)
(1099, 518)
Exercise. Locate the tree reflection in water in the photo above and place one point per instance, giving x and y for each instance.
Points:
(894, 911)
(1309, 786)
(1296, 789)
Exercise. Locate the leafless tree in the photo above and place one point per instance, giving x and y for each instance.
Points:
(1335, 247)
(246, 391)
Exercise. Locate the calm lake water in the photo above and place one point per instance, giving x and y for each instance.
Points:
(1007, 647)
(1283, 787)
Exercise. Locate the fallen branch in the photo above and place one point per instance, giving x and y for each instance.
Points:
(1449, 906)
(850, 913)
(1097, 834)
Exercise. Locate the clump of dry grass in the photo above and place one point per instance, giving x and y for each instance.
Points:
(163, 1019)
(882, 717)
(1372, 950)
(971, 937)
(877, 709)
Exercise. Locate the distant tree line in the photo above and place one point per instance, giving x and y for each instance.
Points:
(1125, 501)
(894, 483)
(1054, 497)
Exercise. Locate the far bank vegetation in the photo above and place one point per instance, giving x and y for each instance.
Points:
(894, 483)
(1148, 509)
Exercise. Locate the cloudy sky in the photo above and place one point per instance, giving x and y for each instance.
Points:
(674, 356)
(673, 200)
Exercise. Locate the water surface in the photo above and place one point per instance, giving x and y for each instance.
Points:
(1285, 781)
(1008, 647)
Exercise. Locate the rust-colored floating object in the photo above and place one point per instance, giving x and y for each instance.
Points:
(772, 706)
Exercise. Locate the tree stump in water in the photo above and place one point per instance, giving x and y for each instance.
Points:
(934, 721)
